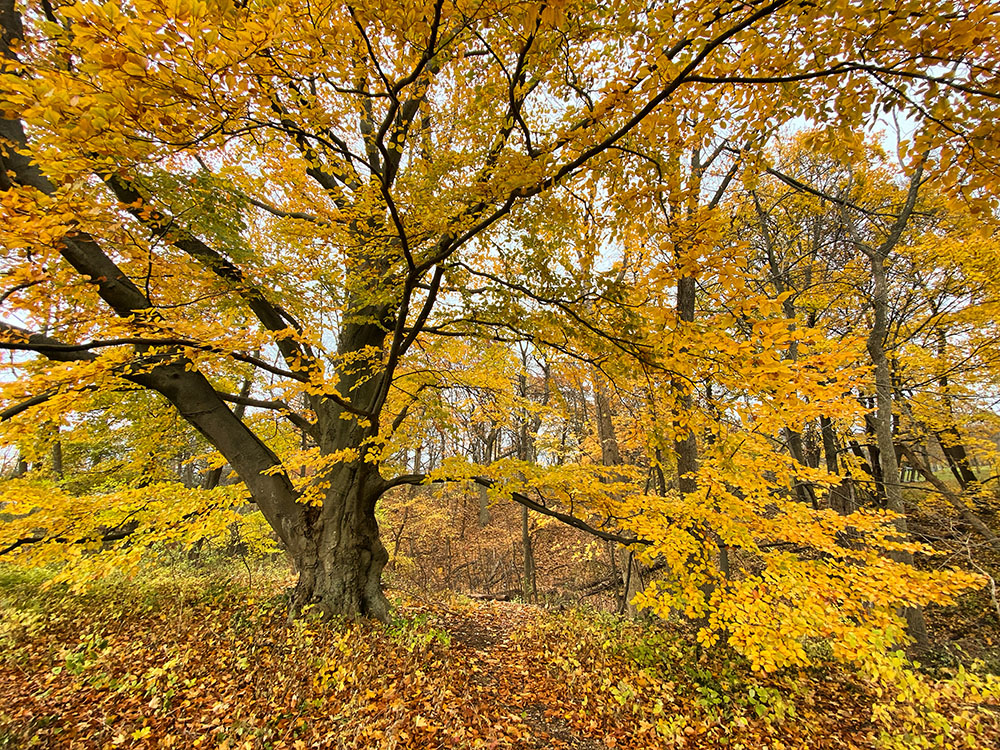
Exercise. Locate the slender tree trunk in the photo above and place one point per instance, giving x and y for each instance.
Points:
(967, 515)
(812, 447)
(528, 452)
(484, 506)
(882, 424)
(489, 448)
(805, 491)
(793, 439)
(57, 458)
(686, 443)
(528, 558)
(875, 455)
(610, 455)
(950, 439)
(956, 456)
(633, 582)
(840, 496)
(623, 604)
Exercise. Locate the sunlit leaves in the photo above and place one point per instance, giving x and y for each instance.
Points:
(45, 525)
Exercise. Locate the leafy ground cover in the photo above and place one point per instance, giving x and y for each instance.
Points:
(188, 659)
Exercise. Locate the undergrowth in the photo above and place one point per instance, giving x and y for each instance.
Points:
(203, 656)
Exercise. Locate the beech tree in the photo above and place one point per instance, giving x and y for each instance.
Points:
(200, 193)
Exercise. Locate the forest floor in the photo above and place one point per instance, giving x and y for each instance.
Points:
(193, 662)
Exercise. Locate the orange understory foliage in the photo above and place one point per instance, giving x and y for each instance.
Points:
(188, 661)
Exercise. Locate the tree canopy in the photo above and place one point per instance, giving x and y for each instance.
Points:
(299, 239)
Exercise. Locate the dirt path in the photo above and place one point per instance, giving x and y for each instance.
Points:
(504, 679)
(227, 676)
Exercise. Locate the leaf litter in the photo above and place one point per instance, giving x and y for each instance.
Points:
(224, 672)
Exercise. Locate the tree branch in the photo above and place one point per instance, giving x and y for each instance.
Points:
(280, 406)
(527, 502)
(273, 317)
(966, 514)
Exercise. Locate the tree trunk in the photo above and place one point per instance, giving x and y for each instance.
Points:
(610, 455)
(57, 458)
(950, 439)
(840, 496)
(882, 424)
(484, 506)
(686, 443)
(874, 458)
(957, 457)
(966, 514)
(529, 587)
(337, 548)
(793, 439)
(634, 582)
(804, 490)
(339, 555)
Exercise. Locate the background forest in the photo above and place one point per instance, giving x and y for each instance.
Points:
(499, 374)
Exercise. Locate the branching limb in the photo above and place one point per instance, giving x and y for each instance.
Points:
(956, 502)
(527, 502)
(272, 316)
(280, 406)
(20, 339)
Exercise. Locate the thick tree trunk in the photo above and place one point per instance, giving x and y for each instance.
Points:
(339, 555)
(336, 548)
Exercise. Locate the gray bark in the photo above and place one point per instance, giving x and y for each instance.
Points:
(686, 443)
(882, 420)
(883, 431)
(340, 557)
(484, 506)
(335, 548)
(841, 497)
(950, 439)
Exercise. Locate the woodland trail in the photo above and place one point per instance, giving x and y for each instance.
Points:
(505, 679)
(537, 694)
(232, 674)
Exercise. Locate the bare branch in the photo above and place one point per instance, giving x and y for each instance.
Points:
(527, 502)
(280, 406)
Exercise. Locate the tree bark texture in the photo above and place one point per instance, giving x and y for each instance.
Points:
(338, 553)
(882, 424)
